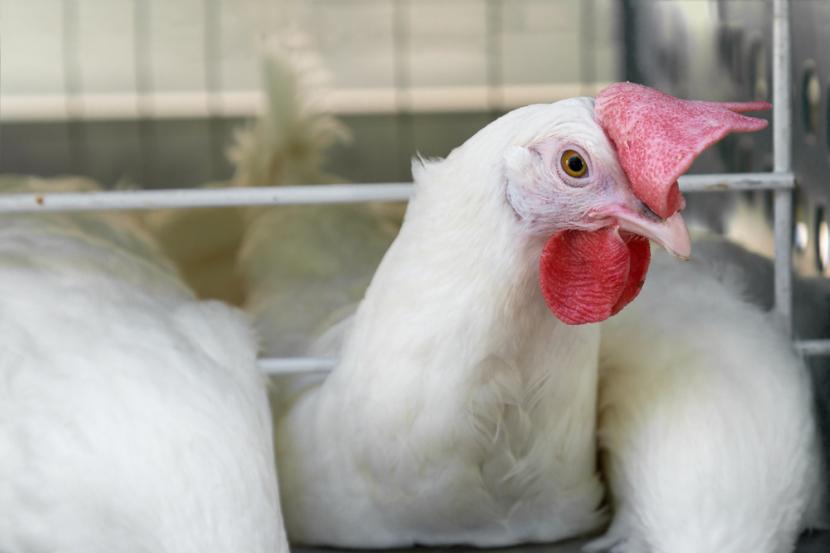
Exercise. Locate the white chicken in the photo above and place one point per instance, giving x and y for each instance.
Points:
(705, 418)
(463, 412)
(132, 416)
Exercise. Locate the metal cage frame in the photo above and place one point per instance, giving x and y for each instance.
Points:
(781, 181)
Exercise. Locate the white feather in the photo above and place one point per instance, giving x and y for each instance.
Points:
(462, 411)
(706, 422)
(132, 417)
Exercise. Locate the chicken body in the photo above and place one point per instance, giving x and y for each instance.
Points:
(132, 416)
(706, 421)
(462, 412)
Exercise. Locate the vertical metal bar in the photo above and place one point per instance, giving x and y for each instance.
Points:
(587, 46)
(75, 131)
(400, 55)
(782, 136)
(71, 63)
(493, 50)
(143, 88)
(211, 43)
(405, 139)
(1, 104)
(213, 84)
(629, 26)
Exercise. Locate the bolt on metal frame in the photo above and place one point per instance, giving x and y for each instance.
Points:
(781, 181)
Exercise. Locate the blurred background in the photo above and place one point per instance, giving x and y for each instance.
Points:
(147, 92)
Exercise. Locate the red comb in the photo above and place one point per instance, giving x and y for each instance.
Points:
(658, 136)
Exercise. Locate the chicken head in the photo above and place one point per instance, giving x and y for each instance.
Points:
(602, 181)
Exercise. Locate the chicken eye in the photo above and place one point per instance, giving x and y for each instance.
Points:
(573, 164)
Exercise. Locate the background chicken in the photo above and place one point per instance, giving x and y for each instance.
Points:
(301, 264)
(293, 267)
(132, 416)
(284, 145)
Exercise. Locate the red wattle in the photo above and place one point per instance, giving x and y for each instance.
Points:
(586, 277)
(639, 258)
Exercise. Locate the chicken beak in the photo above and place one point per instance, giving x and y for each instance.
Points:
(670, 233)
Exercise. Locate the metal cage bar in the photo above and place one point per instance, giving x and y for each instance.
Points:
(781, 144)
(813, 347)
(310, 194)
(276, 366)
(206, 197)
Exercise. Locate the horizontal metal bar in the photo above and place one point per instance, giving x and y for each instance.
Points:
(813, 347)
(295, 365)
(736, 181)
(205, 197)
(308, 194)
(274, 366)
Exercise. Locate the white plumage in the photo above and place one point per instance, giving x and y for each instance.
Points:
(462, 411)
(705, 417)
(132, 416)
